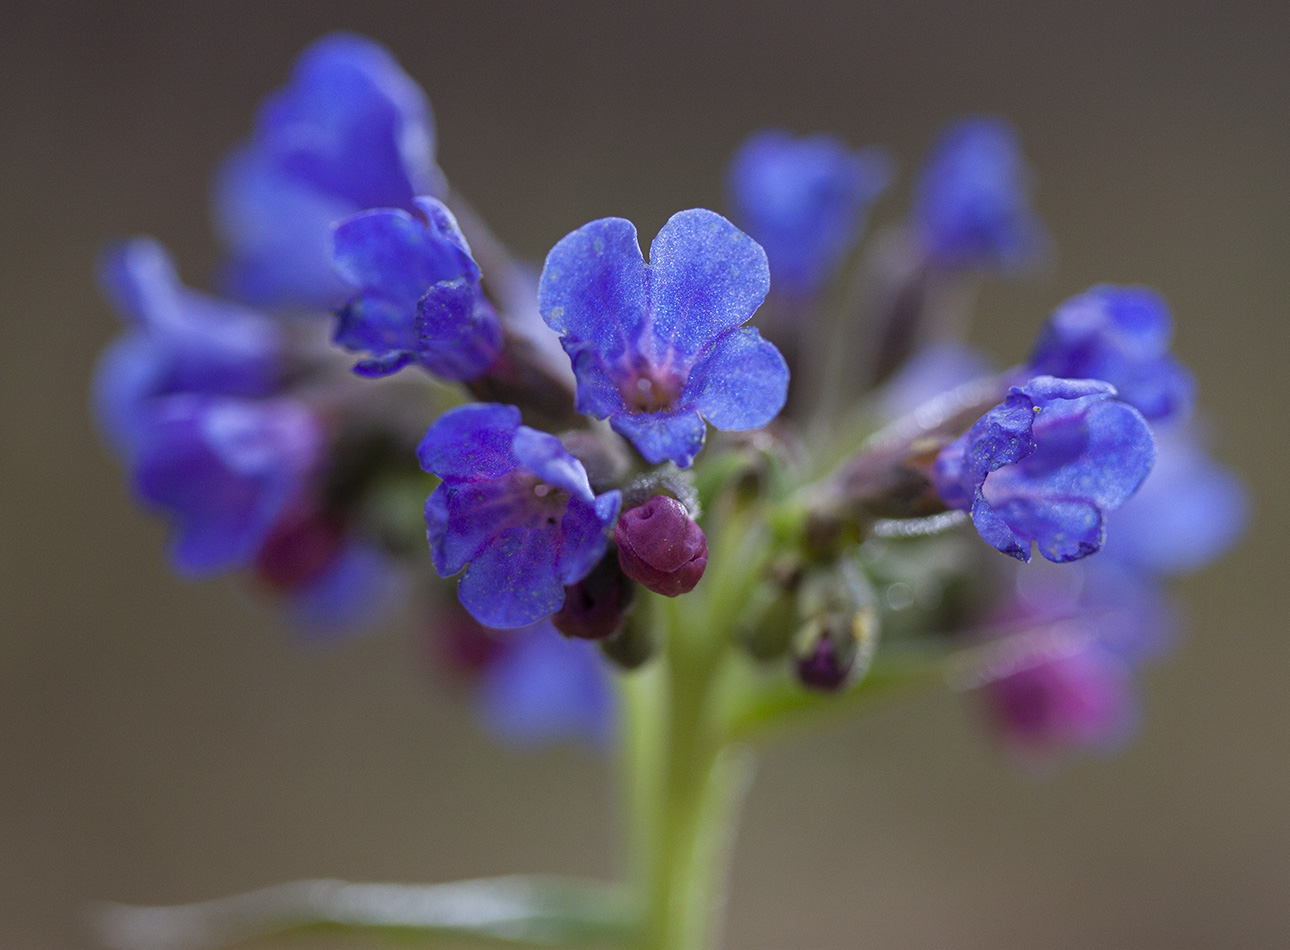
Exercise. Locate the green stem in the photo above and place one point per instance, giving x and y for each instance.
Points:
(685, 780)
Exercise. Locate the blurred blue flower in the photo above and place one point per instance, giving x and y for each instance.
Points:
(178, 340)
(543, 687)
(1121, 335)
(659, 347)
(972, 203)
(349, 131)
(929, 373)
(223, 469)
(418, 298)
(514, 510)
(1046, 465)
(360, 588)
(1188, 512)
(805, 201)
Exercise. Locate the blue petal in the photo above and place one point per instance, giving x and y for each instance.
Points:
(1065, 529)
(663, 436)
(389, 253)
(478, 512)
(585, 535)
(1189, 511)
(209, 345)
(350, 122)
(278, 231)
(472, 441)
(971, 203)
(546, 457)
(705, 277)
(350, 131)
(804, 200)
(458, 336)
(593, 289)
(1121, 335)
(130, 371)
(545, 687)
(378, 326)
(741, 384)
(224, 469)
(360, 590)
(513, 582)
(598, 393)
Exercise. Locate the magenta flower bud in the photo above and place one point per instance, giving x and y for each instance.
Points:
(660, 546)
(594, 607)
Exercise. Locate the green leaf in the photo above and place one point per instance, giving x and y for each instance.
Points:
(530, 911)
(758, 703)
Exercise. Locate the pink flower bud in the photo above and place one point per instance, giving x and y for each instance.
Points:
(660, 546)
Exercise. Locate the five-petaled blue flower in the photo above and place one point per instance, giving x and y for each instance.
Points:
(1046, 465)
(178, 341)
(659, 347)
(971, 201)
(805, 201)
(1121, 335)
(418, 298)
(225, 470)
(350, 131)
(514, 509)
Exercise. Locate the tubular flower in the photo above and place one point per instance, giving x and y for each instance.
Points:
(225, 470)
(349, 131)
(1046, 465)
(805, 201)
(514, 510)
(659, 347)
(179, 340)
(418, 296)
(971, 202)
(1121, 335)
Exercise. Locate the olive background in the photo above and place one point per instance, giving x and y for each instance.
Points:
(164, 741)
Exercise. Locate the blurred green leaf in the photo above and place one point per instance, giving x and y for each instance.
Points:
(526, 911)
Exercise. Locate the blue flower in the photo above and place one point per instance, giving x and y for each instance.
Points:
(1046, 465)
(418, 299)
(971, 202)
(359, 589)
(659, 347)
(178, 340)
(543, 687)
(514, 509)
(1121, 335)
(1188, 512)
(349, 131)
(224, 470)
(805, 201)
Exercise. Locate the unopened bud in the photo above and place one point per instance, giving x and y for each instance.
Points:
(633, 644)
(661, 546)
(299, 549)
(594, 607)
(828, 660)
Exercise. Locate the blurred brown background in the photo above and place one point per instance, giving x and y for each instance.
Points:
(162, 741)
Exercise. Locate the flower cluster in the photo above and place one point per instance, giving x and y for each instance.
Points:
(552, 440)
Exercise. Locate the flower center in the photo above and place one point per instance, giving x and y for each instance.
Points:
(651, 390)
